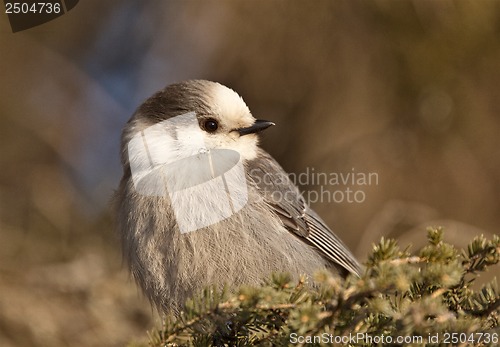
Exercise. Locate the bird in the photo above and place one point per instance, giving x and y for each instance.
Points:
(201, 204)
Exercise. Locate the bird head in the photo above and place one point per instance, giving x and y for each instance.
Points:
(199, 116)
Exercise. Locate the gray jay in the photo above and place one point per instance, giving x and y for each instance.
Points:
(201, 204)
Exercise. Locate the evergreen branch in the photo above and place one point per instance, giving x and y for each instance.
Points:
(399, 294)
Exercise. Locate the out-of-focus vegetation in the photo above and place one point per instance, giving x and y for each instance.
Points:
(405, 89)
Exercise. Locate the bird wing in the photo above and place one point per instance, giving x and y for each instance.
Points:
(283, 196)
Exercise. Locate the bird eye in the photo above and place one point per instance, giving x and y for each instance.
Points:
(210, 125)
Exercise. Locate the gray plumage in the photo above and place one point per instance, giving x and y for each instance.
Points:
(268, 234)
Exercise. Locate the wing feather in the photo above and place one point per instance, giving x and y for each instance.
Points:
(289, 205)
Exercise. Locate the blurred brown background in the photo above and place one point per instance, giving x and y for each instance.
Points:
(409, 90)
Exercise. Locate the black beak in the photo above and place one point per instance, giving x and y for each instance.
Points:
(259, 125)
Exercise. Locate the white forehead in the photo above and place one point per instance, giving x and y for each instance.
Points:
(227, 103)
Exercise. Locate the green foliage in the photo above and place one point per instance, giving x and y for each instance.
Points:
(425, 297)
